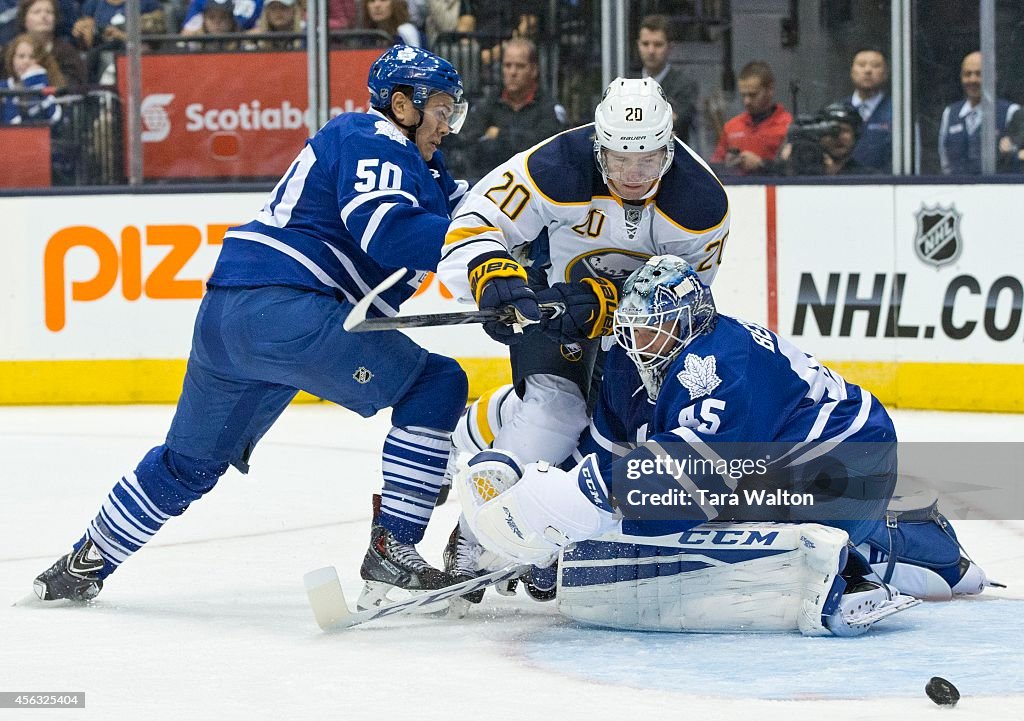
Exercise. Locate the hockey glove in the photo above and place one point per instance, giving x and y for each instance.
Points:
(589, 308)
(543, 512)
(499, 282)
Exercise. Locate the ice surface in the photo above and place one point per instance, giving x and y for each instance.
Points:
(210, 621)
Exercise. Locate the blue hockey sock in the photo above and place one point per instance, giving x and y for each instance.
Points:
(162, 485)
(414, 462)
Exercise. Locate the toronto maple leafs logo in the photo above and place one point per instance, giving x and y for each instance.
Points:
(386, 127)
(406, 54)
(698, 375)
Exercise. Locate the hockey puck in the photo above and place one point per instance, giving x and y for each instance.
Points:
(942, 691)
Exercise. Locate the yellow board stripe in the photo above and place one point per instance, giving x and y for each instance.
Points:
(937, 386)
(992, 387)
(153, 381)
(457, 235)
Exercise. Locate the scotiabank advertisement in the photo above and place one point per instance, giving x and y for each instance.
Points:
(234, 115)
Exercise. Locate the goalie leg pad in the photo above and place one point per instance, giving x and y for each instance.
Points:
(751, 577)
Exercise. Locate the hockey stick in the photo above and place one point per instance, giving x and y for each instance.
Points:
(357, 322)
(331, 609)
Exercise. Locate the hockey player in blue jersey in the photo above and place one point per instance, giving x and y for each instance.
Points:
(368, 194)
(684, 381)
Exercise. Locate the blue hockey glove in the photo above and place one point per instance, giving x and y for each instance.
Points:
(500, 282)
(589, 309)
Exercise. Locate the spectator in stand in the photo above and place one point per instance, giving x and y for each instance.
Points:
(218, 18)
(654, 44)
(341, 14)
(246, 13)
(869, 73)
(391, 16)
(103, 22)
(824, 145)
(753, 138)
(280, 16)
(1011, 145)
(960, 127)
(40, 18)
(8, 20)
(449, 16)
(521, 116)
(29, 67)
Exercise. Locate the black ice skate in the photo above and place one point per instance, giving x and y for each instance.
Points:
(461, 561)
(74, 577)
(389, 564)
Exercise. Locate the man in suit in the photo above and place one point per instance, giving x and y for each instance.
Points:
(653, 45)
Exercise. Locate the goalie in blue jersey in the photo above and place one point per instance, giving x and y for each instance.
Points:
(703, 417)
(368, 194)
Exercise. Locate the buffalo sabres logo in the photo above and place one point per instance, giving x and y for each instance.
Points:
(610, 263)
(938, 240)
(362, 375)
(572, 352)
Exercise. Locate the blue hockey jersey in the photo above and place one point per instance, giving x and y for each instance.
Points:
(746, 387)
(356, 204)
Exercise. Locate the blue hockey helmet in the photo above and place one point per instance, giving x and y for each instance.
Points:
(664, 306)
(421, 70)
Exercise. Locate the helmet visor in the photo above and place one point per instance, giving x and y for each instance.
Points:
(453, 115)
(633, 168)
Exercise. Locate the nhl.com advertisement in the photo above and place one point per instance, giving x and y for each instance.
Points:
(914, 273)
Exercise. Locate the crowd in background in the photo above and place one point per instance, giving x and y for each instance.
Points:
(59, 44)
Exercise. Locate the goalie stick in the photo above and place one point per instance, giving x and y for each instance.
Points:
(357, 322)
(332, 612)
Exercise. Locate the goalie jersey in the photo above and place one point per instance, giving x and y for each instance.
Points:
(549, 208)
(746, 387)
(356, 204)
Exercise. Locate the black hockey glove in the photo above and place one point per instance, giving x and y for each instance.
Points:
(589, 309)
(500, 282)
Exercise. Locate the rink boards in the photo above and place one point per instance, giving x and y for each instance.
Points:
(914, 291)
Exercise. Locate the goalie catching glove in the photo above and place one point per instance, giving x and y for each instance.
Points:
(529, 514)
(497, 282)
(589, 309)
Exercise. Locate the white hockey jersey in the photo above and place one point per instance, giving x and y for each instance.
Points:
(549, 208)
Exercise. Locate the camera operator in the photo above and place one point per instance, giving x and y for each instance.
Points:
(823, 144)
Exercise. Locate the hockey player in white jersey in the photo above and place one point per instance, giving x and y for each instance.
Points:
(686, 380)
(368, 194)
(566, 221)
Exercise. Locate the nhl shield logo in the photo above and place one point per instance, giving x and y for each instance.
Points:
(362, 375)
(938, 240)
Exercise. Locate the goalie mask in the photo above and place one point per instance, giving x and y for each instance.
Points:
(664, 307)
(633, 141)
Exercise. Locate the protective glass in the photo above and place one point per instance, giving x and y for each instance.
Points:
(634, 168)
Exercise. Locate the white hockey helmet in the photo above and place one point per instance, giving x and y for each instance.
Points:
(633, 117)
